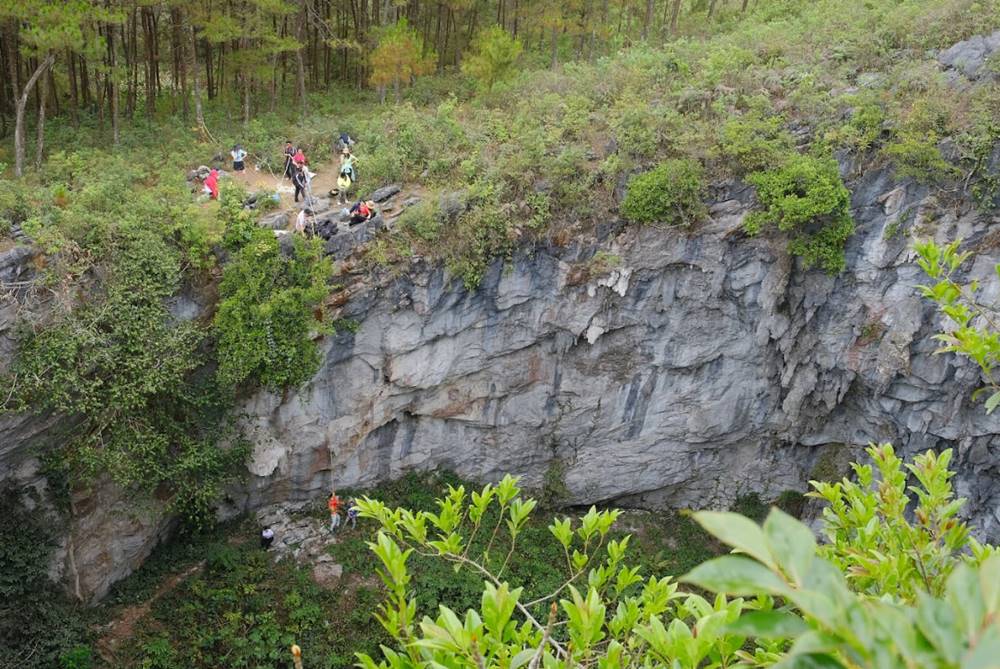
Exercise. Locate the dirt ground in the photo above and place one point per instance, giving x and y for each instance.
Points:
(324, 180)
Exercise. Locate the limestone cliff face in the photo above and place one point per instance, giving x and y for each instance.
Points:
(675, 368)
(687, 370)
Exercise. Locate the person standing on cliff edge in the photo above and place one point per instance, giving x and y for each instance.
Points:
(334, 505)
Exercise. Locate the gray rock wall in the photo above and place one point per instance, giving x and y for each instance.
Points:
(699, 368)
(695, 368)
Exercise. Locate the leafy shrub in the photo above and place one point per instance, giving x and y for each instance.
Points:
(917, 155)
(239, 223)
(422, 221)
(269, 311)
(914, 147)
(756, 142)
(671, 193)
(14, 204)
(806, 198)
(913, 557)
(781, 599)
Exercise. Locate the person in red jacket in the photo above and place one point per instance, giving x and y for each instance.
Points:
(300, 158)
(212, 184)
(334, 506)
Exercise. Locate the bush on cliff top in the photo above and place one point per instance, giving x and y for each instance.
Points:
(807, 199)
(671, 193)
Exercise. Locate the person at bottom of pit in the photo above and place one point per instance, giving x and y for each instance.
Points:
(334, 505)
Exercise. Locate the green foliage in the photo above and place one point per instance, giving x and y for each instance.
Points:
(243, 611)
(914, 146)
(807, 199)
(971, 332)
(400, 56)
(14, 205)
(239, 223)
(911, 557)
(422, 221)
(917, 156)
(671, 193)
(493, 57)
(40, 627)
(122, 367)
(756, 142)
(270, 311)
(781, 600)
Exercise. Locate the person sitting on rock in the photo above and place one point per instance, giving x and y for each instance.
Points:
(334, 505)
(363, 210)
(266, 538)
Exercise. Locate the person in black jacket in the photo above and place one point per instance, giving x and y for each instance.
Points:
(299, 180)
(289, 162)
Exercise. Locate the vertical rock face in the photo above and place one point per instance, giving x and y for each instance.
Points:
(673, 368)
(695, 368)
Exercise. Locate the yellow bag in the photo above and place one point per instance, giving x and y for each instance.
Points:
(343, 184)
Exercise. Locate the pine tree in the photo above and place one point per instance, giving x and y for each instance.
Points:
(494, 55)
(399, 58)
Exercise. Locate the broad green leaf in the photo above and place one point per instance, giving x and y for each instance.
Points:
(936, 621)
(768, 625)
(737, 531)
(966, 599)
(989, 579)
(791, 543)
(810, 661)
(986, 653)
(992, 402)
(736, 575)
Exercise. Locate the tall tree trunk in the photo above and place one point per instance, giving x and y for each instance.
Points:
(199, 115)
(22, 104)
(299, 61)
(40, 136)
(113, 86)
(246, 99)
(555, 46)
(180, 57)
(744, 7)
(74, 95)
(84, 83)
(674, 14)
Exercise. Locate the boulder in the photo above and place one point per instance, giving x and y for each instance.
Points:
(327, 574)
(276, 221)
(384, 193)
(971, 56)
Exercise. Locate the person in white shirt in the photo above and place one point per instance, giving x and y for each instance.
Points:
(239, 155)
(266, 538)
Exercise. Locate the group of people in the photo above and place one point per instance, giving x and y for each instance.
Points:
(334, 503)
(296, 169)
